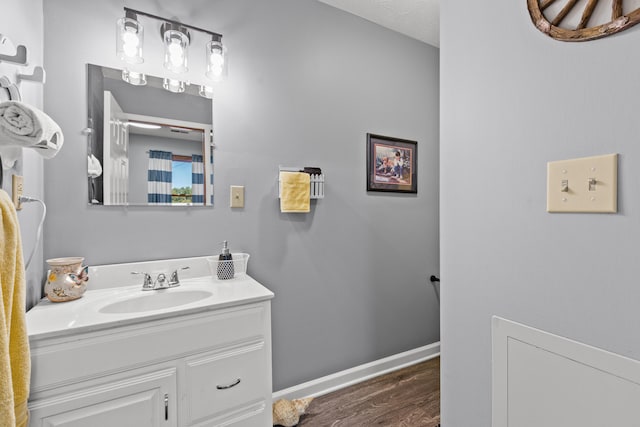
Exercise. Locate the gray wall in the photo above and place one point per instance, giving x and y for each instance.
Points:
(306, 83)
(512, 100)
(21, 21)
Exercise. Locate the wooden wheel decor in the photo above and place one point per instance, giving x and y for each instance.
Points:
(561, 20)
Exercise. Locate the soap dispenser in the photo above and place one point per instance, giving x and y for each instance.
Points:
(225, 263)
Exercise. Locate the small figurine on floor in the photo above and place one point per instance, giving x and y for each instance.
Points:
(287, 413)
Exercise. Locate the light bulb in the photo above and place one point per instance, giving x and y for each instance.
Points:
(130, 43)
(173, 85)
(176, 54)
(130, 37)
(206, 91)
(216, 59)
(216, 63)
(133, 77)
(215, 72)
(175, 48)
(175, 51)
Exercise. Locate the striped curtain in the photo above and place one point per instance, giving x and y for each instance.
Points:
(211, 179)
(159, 178)
(197, 180)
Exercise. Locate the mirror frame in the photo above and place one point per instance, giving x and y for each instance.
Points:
(98, 131)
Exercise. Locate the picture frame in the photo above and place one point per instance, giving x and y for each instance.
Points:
(392, 164)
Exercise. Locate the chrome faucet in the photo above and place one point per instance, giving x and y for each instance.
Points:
(161, 281)
(147, 283)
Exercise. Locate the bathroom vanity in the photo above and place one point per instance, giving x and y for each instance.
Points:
(195, 355)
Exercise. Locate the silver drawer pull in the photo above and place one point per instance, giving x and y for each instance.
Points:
(224, 387)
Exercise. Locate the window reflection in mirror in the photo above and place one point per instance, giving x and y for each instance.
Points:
(181, 180)
(147, 146)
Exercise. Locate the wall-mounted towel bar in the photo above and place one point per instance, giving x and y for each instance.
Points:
(317, 180)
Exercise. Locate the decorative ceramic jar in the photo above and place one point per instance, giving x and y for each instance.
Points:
(67, 279)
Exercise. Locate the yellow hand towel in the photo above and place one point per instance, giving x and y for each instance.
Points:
(295, 192)
(15, 362)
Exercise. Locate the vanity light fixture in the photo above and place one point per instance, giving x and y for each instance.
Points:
(216, 60)
(134, 78)
(206, 91)
(176, 44)
(176, 38)
(130, 38)
(173, 85)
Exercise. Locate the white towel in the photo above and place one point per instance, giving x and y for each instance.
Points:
(94, 168)
(25, 126)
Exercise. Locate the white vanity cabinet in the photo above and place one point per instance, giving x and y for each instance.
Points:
(142, 400)
(208, 366)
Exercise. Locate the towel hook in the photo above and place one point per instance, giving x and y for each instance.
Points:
(19, 58)
(38, 75)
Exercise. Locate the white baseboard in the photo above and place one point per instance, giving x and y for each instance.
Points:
(342, 379)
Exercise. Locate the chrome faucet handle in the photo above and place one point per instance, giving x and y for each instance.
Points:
(173, 279)
(147, 283)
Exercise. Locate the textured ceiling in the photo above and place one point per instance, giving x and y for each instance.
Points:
(419, 19)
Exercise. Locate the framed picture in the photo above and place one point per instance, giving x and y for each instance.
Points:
(392, 164)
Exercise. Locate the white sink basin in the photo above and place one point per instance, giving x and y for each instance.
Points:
(156, 300)
(115, 298)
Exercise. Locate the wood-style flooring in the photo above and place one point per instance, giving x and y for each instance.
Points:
(408, 397)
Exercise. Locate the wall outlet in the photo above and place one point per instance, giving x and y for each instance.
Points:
(17, 190)
(589, 184)
(237, 196)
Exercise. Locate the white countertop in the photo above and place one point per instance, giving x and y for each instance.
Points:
(51, 320)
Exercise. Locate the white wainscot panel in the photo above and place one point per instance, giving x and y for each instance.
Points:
(541, 379)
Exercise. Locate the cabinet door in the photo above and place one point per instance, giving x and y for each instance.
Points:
(229, 385)
(139, 401)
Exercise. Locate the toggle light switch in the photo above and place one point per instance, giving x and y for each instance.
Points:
(589, 184)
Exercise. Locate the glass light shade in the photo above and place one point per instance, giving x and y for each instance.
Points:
(176, 44)
(173, 85)
(206, 91)
(129, 40)
(134, 78)
(216, 59)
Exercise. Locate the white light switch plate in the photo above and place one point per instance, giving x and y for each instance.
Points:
(589, 184)
(237, 196)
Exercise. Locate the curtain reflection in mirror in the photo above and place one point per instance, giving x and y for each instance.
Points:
(197, 180)
(159, 177)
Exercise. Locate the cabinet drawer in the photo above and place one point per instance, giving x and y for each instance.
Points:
(229, 381)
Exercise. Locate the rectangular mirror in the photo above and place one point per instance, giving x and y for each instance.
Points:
(147, 146)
